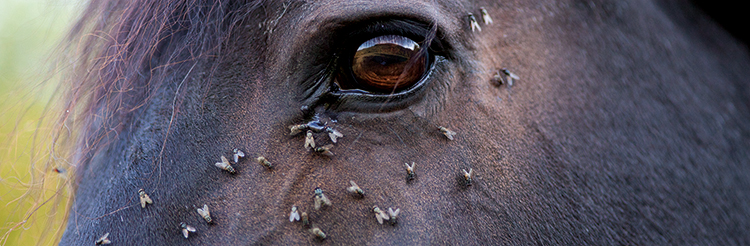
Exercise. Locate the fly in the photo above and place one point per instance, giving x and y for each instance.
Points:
(410, 170)
(447, 132)
(103, 240)
(473, 22)
(355, 189)
(380, 215)
(237, 155)
(144, 198)
(468, 176)
(186, 229)
(205, 213)
(485, 16)
(294, 215)
(224, 164)
(320, 198)
(262, 160)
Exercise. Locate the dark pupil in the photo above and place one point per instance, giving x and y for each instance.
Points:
(388, 63)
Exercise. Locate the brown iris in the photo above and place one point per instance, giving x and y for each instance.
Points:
(388, 63)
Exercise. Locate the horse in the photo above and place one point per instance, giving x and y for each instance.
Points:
(448, 122)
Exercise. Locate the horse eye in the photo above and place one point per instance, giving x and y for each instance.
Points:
(387, 64)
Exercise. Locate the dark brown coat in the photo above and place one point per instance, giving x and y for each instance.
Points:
(629, 125)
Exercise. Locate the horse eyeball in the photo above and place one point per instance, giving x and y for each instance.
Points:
(389, 63)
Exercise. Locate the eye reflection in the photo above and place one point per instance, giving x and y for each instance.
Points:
(387, 64)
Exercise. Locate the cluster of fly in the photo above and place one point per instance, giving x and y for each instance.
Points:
(473, 20)
(315, 127)
(204, 212)
(320, 199)
(225, 165)
(381, 215)
(505, 77)
(294, 215)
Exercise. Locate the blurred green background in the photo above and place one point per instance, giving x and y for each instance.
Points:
(30, 32)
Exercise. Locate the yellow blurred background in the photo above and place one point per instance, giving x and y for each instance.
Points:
(32, 198)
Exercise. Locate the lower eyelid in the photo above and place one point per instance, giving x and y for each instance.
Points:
(357, 101)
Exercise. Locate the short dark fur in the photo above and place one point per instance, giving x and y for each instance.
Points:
(629, 125)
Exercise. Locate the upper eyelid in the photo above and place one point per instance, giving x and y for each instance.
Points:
(315, 28)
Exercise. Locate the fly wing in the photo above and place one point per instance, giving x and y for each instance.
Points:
(293, 216)
(325, 200)
(326, 150)
(309, 141)
(334, 135)
(221, 165)
(318, 201)
(202, 212)
(392, 213)
(385, 216)
(145, 199)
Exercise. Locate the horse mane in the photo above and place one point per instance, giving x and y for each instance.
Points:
(122, 51)
(115, 58)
